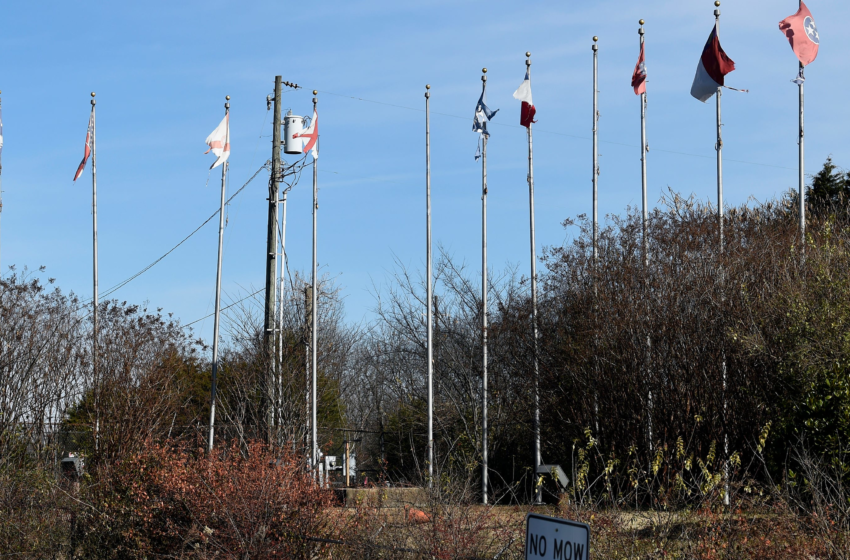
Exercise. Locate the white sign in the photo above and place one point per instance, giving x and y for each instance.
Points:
(556, 539)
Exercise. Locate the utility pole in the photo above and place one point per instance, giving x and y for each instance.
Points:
(271, 254)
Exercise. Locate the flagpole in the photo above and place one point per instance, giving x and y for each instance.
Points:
(314, 338)
(719, 148)
(484, 430)
(719, 144)
(643, 151)
(595, 207)
(802, 178)
(595, 149)
(218, 285)
(429, 291)
(95, 298)
(535, 331)
(645, 219)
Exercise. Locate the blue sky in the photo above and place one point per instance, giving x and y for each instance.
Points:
(161, 71)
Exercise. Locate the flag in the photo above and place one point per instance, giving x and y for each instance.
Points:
(802, 33)
(639, 76)
(523, 93)
(311, 136)
(219, 141)
(713, 66)
(483, 113)
(89, 138)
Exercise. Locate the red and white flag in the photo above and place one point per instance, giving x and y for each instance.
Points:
(523, 93)
(89, 138)
(219, 141)
(713, 66)
(802, 33)
(311, 136)
(639, 76)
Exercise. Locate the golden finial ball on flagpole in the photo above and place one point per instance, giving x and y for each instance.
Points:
(227, 98)
(528, 54)
(92, 94)
(427, 86)
(641, 22)
(595, 38)
(717, 3)
(315, 92)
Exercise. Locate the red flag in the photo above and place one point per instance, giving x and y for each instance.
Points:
(713, 66)
(523, 93)
(639, 76)
(89, 136)
(802, 33)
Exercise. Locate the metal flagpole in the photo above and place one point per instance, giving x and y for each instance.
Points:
(308, 384)
(719, 148)
(484, 430)
(802, 178)
(218, 287)
(95, 298)
(719, 145)
(595, 149)
(429, 291)
(595, 202)
(314, 439)
(643, 151)
(645, 221)
(537, 454)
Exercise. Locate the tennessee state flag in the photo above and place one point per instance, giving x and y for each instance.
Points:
(639, 76)
(713, 66)
(523, 93)
(802, 33)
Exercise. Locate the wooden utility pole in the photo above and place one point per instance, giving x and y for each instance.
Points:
(271, 262)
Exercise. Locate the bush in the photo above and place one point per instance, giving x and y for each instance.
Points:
(175, 501)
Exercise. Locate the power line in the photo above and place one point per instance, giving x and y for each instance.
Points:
(123, 283)
(540, 130)
(223, 308)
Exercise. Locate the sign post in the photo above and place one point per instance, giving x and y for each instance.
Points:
(556, 539)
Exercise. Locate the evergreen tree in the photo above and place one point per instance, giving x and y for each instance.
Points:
(829, 192)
